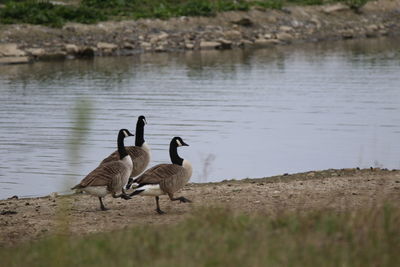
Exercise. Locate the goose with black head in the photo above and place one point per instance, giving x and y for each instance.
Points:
(165, 178)
(140, 153)
(109, 177)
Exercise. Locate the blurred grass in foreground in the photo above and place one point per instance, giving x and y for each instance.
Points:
(218, 237)
(81, 117)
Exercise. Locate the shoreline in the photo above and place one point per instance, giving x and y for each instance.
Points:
(285, 177)
(28, 219)
(257, 28)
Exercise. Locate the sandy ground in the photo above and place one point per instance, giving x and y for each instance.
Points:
(28, 219)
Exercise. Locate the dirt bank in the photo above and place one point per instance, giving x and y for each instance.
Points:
(255, 28)
(31, 218)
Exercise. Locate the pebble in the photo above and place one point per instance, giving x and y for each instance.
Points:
(14, 60)
(204, 45)
(189, 46)
(71, 48)
(106, 46)
(36, 52)
(265, 42)
(285, 29)
(232, 35)
(284, 36)
(246, 22)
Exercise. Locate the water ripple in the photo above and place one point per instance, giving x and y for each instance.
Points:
(257, 112)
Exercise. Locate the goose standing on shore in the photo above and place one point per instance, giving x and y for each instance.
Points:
(109, 177)
(140, 153)
(165, 178)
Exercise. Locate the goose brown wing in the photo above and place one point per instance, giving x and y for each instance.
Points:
(139, 157)
(158, 173)
(112, 157)
(175, 181)
(104, 175)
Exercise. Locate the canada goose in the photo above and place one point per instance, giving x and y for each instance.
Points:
(109, 177)
(165, 178)
(140, 153)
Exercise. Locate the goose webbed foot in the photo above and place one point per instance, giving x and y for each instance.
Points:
(185, 200)
(181, 200)
(159, 211)
(126, 197)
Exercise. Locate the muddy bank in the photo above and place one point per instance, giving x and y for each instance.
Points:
(255, 28)
(337, 190)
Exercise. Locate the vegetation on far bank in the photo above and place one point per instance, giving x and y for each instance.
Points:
(219, 237)
(56, 14)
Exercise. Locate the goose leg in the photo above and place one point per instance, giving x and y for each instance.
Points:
(159, 211)
(181, 199)
(129, 184)
(102, 207)
(123, 195)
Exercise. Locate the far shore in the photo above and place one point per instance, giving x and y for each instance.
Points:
(27, 219)
(256, 28)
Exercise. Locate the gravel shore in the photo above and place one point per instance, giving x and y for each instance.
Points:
(27, 219)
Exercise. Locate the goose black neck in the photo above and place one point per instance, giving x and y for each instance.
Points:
(173, 153)
(139, 135)
(121, 147)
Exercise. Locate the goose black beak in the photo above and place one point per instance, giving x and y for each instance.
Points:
(184, 144)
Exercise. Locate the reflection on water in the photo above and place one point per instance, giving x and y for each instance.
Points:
(249, 113)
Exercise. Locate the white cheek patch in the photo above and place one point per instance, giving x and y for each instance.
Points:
(178, 142)
(126, 134)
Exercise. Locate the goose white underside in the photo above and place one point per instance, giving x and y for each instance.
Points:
(188, 166)
(151, 190)
(146, 148)
(99, 191)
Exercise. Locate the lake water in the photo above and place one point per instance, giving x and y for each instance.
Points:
(245, 113)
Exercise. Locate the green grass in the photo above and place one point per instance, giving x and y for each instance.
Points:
(34, 12)
(272, 4)
(92, 11)
(307, 2)
(354, 4)
(218, 237)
